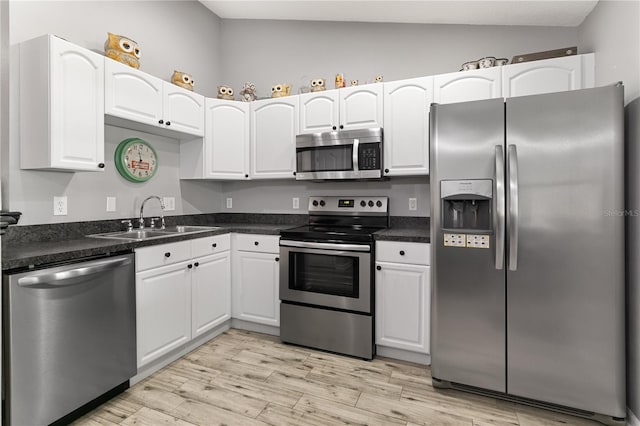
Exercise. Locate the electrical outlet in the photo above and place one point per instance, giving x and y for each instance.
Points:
(111, 204)
(169, 203)
(229, 203)
(413, 204)
(60, 206)
(296, 202)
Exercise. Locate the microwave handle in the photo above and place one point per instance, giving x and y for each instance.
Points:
(356, 144)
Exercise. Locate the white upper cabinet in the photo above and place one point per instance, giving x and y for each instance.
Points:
(274, 126)
(319, 111)
(361, 107)
(61, 106)
(226, 139)
(136, 96)
(466, 86)
(550, 75)
(406, 126)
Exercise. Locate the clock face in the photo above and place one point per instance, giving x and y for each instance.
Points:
(136, 160)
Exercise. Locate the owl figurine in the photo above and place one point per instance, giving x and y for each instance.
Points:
(183, 80)
(248, 92)
(378, 79)
(122, 49)
(354, 82)
(317, 85)
(280, 90)
(225, 92)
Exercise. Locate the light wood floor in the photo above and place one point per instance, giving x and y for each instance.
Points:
(244, 378)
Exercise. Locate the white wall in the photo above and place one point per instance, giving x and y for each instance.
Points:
(172, 35)
(612, 31)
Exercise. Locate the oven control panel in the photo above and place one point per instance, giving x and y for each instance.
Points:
(349, 204)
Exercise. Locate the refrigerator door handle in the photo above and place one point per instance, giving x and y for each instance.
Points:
(498, 218)
(512, 206)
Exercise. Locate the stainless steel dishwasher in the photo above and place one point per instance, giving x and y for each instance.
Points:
(69, 337)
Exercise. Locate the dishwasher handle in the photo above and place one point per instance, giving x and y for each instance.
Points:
(62, 278)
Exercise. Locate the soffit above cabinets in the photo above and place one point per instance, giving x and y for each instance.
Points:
(470, 12)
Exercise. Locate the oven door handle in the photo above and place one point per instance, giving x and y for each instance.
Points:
(326, 246)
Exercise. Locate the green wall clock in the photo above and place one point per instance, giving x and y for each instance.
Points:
(136, 160)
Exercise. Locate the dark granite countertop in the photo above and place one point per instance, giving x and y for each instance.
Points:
(408, 229)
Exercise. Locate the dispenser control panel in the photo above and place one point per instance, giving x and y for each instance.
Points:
(466, 240)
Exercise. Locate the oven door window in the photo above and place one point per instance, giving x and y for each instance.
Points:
(326, 274)
(334, 158)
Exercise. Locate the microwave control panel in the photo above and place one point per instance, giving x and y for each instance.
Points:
(369, 156)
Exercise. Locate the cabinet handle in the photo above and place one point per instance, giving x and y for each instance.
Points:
(334, 127)
(378, 267)
(255, 243)
(160, 121)
(341, 127)
(277, 259)
(386, 170)
(189, 266)
(196, 264)
(168, 123)
(101, 165)
(214, 245)
(294, 173)
(246, 176)
(167, 254)
(401, 252)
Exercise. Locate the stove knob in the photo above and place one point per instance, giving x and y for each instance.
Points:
(363, 203)
(379, 203)
(315, 203)
(370, 203)
(322, 203)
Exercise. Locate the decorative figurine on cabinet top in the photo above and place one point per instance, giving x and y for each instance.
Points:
(378, 79)
(354, 82)
(248, 92)
(225, 92)
(318, 85)
(122, 49)
(183, 80)
(280, 90)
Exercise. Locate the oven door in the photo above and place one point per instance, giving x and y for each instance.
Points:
(326, 274)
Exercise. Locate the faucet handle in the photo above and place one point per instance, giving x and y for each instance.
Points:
(128, 223)
(153, 222)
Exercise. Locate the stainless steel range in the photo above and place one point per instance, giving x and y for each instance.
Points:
(326, 275)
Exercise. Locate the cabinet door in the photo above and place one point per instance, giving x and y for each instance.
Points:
(211, 292)
(403, 295)
(361, 107)
(319, 111)
(163, 304)
(274, 126)
(255, 287)
(406, 126)
(466, 86)
(227, 139)
(132, 94)
(183, 110)
(551, 75)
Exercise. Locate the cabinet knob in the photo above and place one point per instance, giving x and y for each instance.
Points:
(101, 165)
(189, 266)
(277, 259)
(255, 243)
(401, 252)
(246, 176)
(196, 264)
(334, 127)
(378, 267)
(167, 254)
(294, 173)
(168, 123)
(214, 245)
(386, 170)
(341, 127)
(160, 121)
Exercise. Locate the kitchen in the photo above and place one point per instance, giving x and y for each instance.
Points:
(226, 51)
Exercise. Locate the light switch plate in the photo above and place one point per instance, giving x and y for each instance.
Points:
(296, 202)
(111, 204)
(60, 206)
(413, 204)
(229, 203)
(169, 203)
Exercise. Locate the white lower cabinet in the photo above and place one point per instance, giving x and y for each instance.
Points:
(403, 295)
(182, 291)
(256, 279)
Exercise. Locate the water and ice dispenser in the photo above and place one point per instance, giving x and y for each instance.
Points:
(466, 212)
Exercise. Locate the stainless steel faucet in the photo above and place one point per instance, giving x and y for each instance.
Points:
(141, 220)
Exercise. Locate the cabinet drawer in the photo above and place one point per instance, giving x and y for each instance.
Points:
(401, 252)
(210, 245)
(257, 243)
(165, 254)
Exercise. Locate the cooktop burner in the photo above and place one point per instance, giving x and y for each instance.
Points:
(314, 232)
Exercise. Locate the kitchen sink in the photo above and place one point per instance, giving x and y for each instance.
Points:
(148, 234)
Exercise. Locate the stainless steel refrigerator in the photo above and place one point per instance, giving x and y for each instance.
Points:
(527, 215)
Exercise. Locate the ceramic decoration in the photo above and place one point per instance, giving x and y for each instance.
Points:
(354, 82)
(318, 85)
(280, 90)
(248, 92)
(378, 79)
(122, 49)
(501, 61)
(225, 92)
(487, 62)
(183, 80)
(340, 81)
(136, 160)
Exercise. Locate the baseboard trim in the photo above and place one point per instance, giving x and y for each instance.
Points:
(252, 326)
(632, 419)
(403, 355)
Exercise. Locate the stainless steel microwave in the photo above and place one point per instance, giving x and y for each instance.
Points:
(350, 154)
